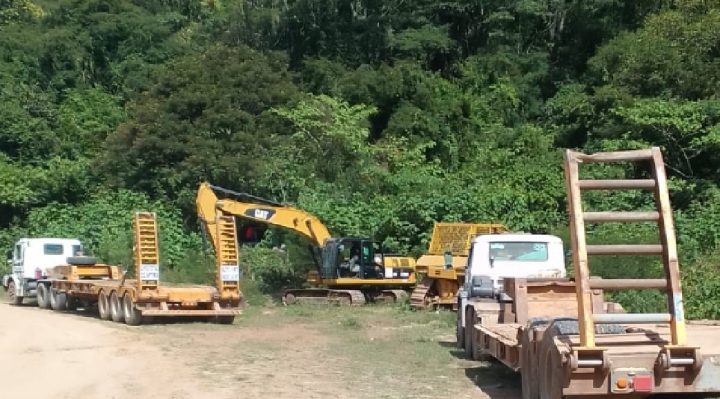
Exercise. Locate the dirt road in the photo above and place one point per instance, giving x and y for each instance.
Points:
(282, 353)
(47, 355)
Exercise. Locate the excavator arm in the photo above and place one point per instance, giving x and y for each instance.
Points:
(259, 210)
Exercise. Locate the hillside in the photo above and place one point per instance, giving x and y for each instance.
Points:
(377, 117)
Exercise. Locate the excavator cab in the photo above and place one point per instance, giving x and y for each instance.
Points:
(352, 258)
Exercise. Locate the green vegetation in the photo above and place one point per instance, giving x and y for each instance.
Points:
(378, 117)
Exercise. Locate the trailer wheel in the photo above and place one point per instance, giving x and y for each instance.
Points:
(133, 317)
(43, 296)
(103, 306)
(550, 368)
(116, 312)
(529, 366)
(12, 294)
(58, 300)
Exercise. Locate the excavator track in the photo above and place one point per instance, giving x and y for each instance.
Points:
(347, 297)
(399, 294)
(387, 296)
(323, 296)
(420, 297)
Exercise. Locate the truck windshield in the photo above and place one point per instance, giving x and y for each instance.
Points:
(519, 251)
(53, 249)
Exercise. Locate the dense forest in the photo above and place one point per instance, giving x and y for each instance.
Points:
(379, 117)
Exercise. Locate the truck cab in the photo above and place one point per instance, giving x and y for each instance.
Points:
(30, 260)
(494, 257)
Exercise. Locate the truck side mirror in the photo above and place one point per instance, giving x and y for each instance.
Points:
(492, 261)
(9, 255)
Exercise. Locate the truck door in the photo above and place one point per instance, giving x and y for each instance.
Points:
(18, 258)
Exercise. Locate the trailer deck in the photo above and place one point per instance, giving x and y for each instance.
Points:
(135, 301)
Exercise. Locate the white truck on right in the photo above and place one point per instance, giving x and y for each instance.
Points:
(494, 257)
(561, 334)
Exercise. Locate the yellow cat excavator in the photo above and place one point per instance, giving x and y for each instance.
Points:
(350, 270)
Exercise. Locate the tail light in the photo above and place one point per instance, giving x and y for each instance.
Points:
(38, 274)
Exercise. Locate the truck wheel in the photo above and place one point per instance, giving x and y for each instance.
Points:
(43, 296)
(103, 306)
(12, 294)
(58, 300)
(133, 317)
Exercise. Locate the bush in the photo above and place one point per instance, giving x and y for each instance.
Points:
(269, 268)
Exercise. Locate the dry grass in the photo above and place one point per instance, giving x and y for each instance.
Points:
(330, 351)
(310, 351)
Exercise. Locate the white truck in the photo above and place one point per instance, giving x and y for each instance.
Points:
(32, 257)
(494, 257)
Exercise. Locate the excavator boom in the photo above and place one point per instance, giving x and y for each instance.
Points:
(261, 210)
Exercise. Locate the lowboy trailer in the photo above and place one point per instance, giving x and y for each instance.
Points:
(135, 301)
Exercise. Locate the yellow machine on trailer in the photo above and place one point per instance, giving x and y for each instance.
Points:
(444, 263)
(353, 270)
(134, 301)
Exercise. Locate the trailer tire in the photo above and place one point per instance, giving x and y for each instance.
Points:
(116, 312)
(550, 368)
(81, 260)
(570, 326)
(43, 296)
(58, 300)
(103, 306)
(529, 358)
(133, 317)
